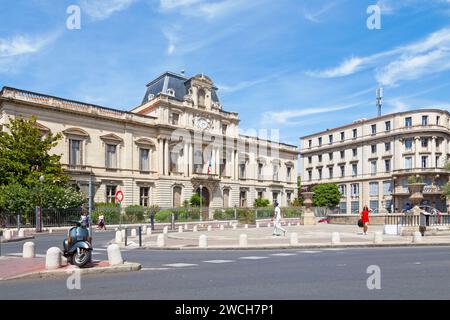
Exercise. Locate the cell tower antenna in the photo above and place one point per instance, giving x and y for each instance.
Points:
(379, 101)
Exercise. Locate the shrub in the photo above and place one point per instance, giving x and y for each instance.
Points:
(414, 179)
(291, 212)
(246, 216)
(187, 214)
(163, 215)
(136, 214)
(264, 213)
(110, 211)
(219, 214)
(261, 203)
(195, 200)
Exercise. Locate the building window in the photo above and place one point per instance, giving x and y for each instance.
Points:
(242, 171)
(275, 197)
(374, 129)
(424, 161)
(408, 122)
(438, 120)
(387, 125)
(387, 188)
(222, 167)
(355, 207)
(330, 172)
(111, 194)
(408, 144)
(387, 165)
(226, 198)
(320, 173)
(355, 133)
(342, 154)
(424, 120)
(309, 160)
(175, 118)
(320, 141)
(288, 197)
(309, 175)
(144, 196)
(111, 156)
(424, 142)
(343, 190)
(176, 198)
(354, 189)
(260, 194)
(373, 204)
(75, 152)
(174, 156)
(319, 157)
(408, 162)
(343, 207)
(144, 163)
(224, 129)
(342, 171)
(342, 136)
(437, 161)
(201, 98)
(289, 173)
(330, 156)
(373, 167)
(373, 189)
(354, 170)
(330, 138)
(275, 173)
(309, 143)
(387, 146)
(373, 148)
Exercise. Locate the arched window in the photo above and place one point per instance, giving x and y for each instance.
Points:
(177, 197)
(226, 198)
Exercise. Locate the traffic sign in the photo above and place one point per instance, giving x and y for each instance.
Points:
(119, 196)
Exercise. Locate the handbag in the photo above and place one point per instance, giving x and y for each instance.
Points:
(360, 223)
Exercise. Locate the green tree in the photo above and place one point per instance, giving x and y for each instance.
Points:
(25, 154)
(261, 203)
(195, 200)
(326, 195)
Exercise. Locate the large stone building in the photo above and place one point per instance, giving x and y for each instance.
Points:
(372, 159)
(161, 152)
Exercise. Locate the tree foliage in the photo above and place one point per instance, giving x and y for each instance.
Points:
(326, 195)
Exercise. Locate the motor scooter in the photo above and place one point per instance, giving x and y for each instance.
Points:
(78, 245)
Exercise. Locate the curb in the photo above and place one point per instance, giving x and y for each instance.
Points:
(16, 239)
(126, 267)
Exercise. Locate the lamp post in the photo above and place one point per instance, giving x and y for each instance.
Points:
(39, 211)
(201, 198)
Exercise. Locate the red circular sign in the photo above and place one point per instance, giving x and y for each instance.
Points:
(119, 196)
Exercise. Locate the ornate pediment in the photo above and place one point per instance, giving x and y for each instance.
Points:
(145, 142)
(111, 137)
(76, 132)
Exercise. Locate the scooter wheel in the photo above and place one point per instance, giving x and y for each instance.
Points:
(80, 260)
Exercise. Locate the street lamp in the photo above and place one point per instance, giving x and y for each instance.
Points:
(39, 211)
(201, 198)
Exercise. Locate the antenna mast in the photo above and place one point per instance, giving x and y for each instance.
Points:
(379, 99)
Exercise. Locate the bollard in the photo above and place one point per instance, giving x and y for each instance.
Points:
(243, 240)
(202, 241)
(257, 225)
(53, 258)
(246, 226)
(209, 228)
(50, 230)
(119, 238)
(234, 226)
(186, 227)
(160, 241)
(21, 233)
(298, 224)
(194, 229)
(144, 229)
(140, 236)
(28, 250)
(64, 261)
(335, 238)
(417, 238)
(294, 239)
(166, 230)
(222, 227)
(149, 232)
(289, 224)
(114, 255)
(124, 232)
(268, 225)
(7, 235)
(133, 232)
(378, 237)
(180, 229)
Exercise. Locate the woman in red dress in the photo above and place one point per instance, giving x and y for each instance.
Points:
(365, 218)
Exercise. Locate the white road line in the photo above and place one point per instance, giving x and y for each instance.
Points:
(283, 254)
(154, 269)
(100, 249)
(219, 261)
(19, 254)
(253, 258)
(309, 251)
(180, 265)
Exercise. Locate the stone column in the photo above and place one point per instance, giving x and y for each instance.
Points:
(161, 156)
(231, 167)
(416, 150)
(217, 161)
(191, 159)
(433, 163)
(166, 157)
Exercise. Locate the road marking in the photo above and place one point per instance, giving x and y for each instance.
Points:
(341, 265)
(253, 258)
(309, 251)
(417, 262)
(218, 261)
(19, 254)
(180, 265)
(100, 249)
(154, 269)
(283, 254)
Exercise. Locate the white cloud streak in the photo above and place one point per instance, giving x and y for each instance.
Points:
(314, 16)
(103, 9)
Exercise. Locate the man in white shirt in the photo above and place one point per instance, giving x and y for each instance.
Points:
(277, 220)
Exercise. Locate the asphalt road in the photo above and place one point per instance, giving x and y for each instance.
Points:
(405, 273)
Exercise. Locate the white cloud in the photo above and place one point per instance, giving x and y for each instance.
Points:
(346, 68)
(247, 84)
(314, 16)
(103, 9)
(175, 4)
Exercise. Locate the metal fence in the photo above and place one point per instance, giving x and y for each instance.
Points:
(50, 218)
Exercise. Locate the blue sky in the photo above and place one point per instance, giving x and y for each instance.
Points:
(293, 65)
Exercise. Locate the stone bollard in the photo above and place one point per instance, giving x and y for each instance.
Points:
(378, 237)
(257, 225)
(114, 255)
(243, 240)
(53, 258)
(417, 238)
(119, 238)
(268, 225)
(7, 234)
(246, 226)
(161, 241)
(194, 229)
(123, 234)
(28, 250)
(64, 261)
(234, 226)
(50, 230)
(133, 232)
(144, 229)
(294, 239)
(166, 230)
(289, 224)
(149, 232)
(21, 233)
(298, 224)
(209, 228)
(222, 227)
(180, 229)
(186, 227)
(203, 241)
(335, 238)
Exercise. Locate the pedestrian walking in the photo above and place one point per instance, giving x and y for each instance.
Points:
(365, 218)
(277, 221)
(101, 223)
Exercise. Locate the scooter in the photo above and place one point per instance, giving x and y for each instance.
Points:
(78, 246)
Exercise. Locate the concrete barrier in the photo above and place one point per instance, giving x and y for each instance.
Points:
(119, 237)
(149, 232)
(21, 233)
(234, 226)
(161, 241)
(335, 238)
(222, 227)
(417, 238)
(53, 258)
(243, 240)
(378, 237)
(7, 234)
(166, 230)
(294, 239)
(257, 225)
(114, 255)
(194, 229)
(133, 232)
(209, 228)
(203, 241)
(246, 226)
(186, 227)
(180, 229)
(28, 250)
(123, 234)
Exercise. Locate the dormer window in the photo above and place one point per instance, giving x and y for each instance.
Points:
(150, 97)
(171, 92)
(201, 97)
